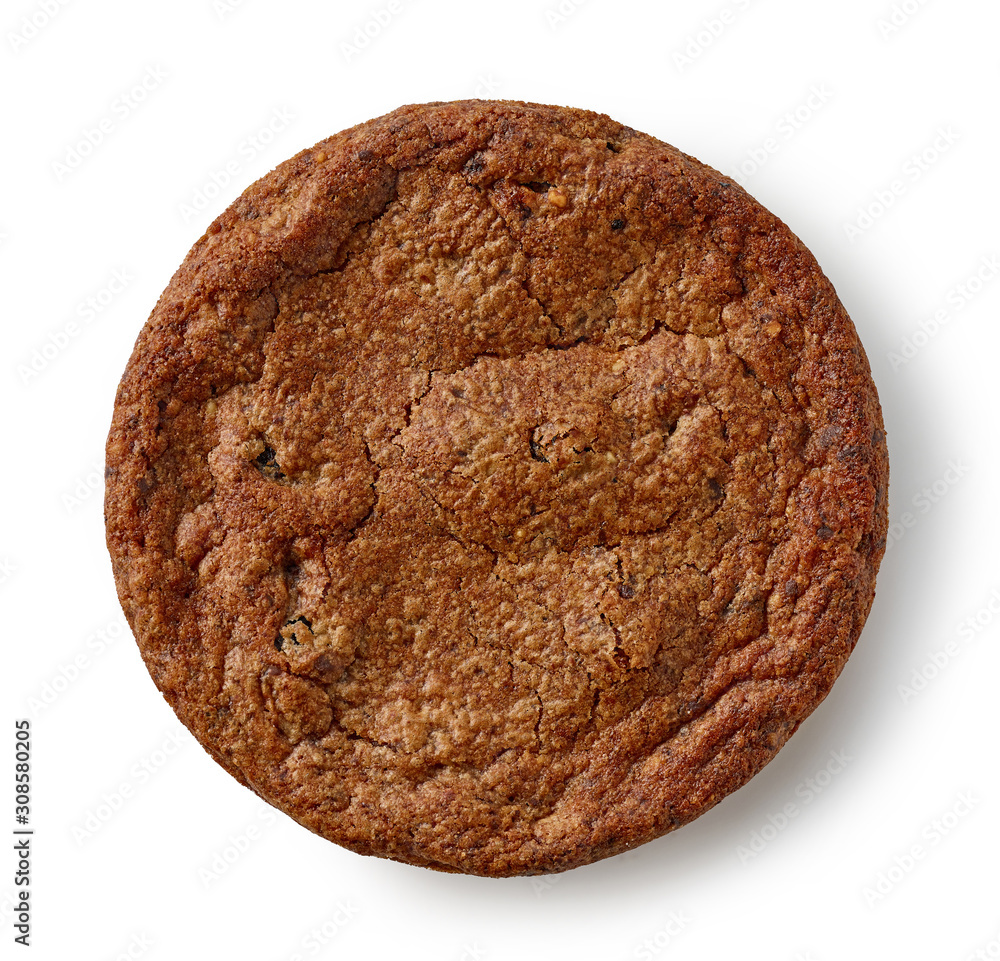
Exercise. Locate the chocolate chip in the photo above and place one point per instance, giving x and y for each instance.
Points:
(475, 164)
(536, 451)
(617, 223)
(267, 464)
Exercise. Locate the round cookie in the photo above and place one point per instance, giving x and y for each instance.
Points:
(496, 488)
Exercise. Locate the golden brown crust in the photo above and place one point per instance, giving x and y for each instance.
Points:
(496, 488)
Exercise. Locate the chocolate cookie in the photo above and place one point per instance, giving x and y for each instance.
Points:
(496, 488)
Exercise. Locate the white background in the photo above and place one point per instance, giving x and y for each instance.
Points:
(143, 846)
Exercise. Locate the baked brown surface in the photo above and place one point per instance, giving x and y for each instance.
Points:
(495, 488)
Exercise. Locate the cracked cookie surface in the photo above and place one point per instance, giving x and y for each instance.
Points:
(495, 488)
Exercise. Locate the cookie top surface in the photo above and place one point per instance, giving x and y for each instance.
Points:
(495, 488)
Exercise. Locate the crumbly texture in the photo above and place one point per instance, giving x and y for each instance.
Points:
(496, 488)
